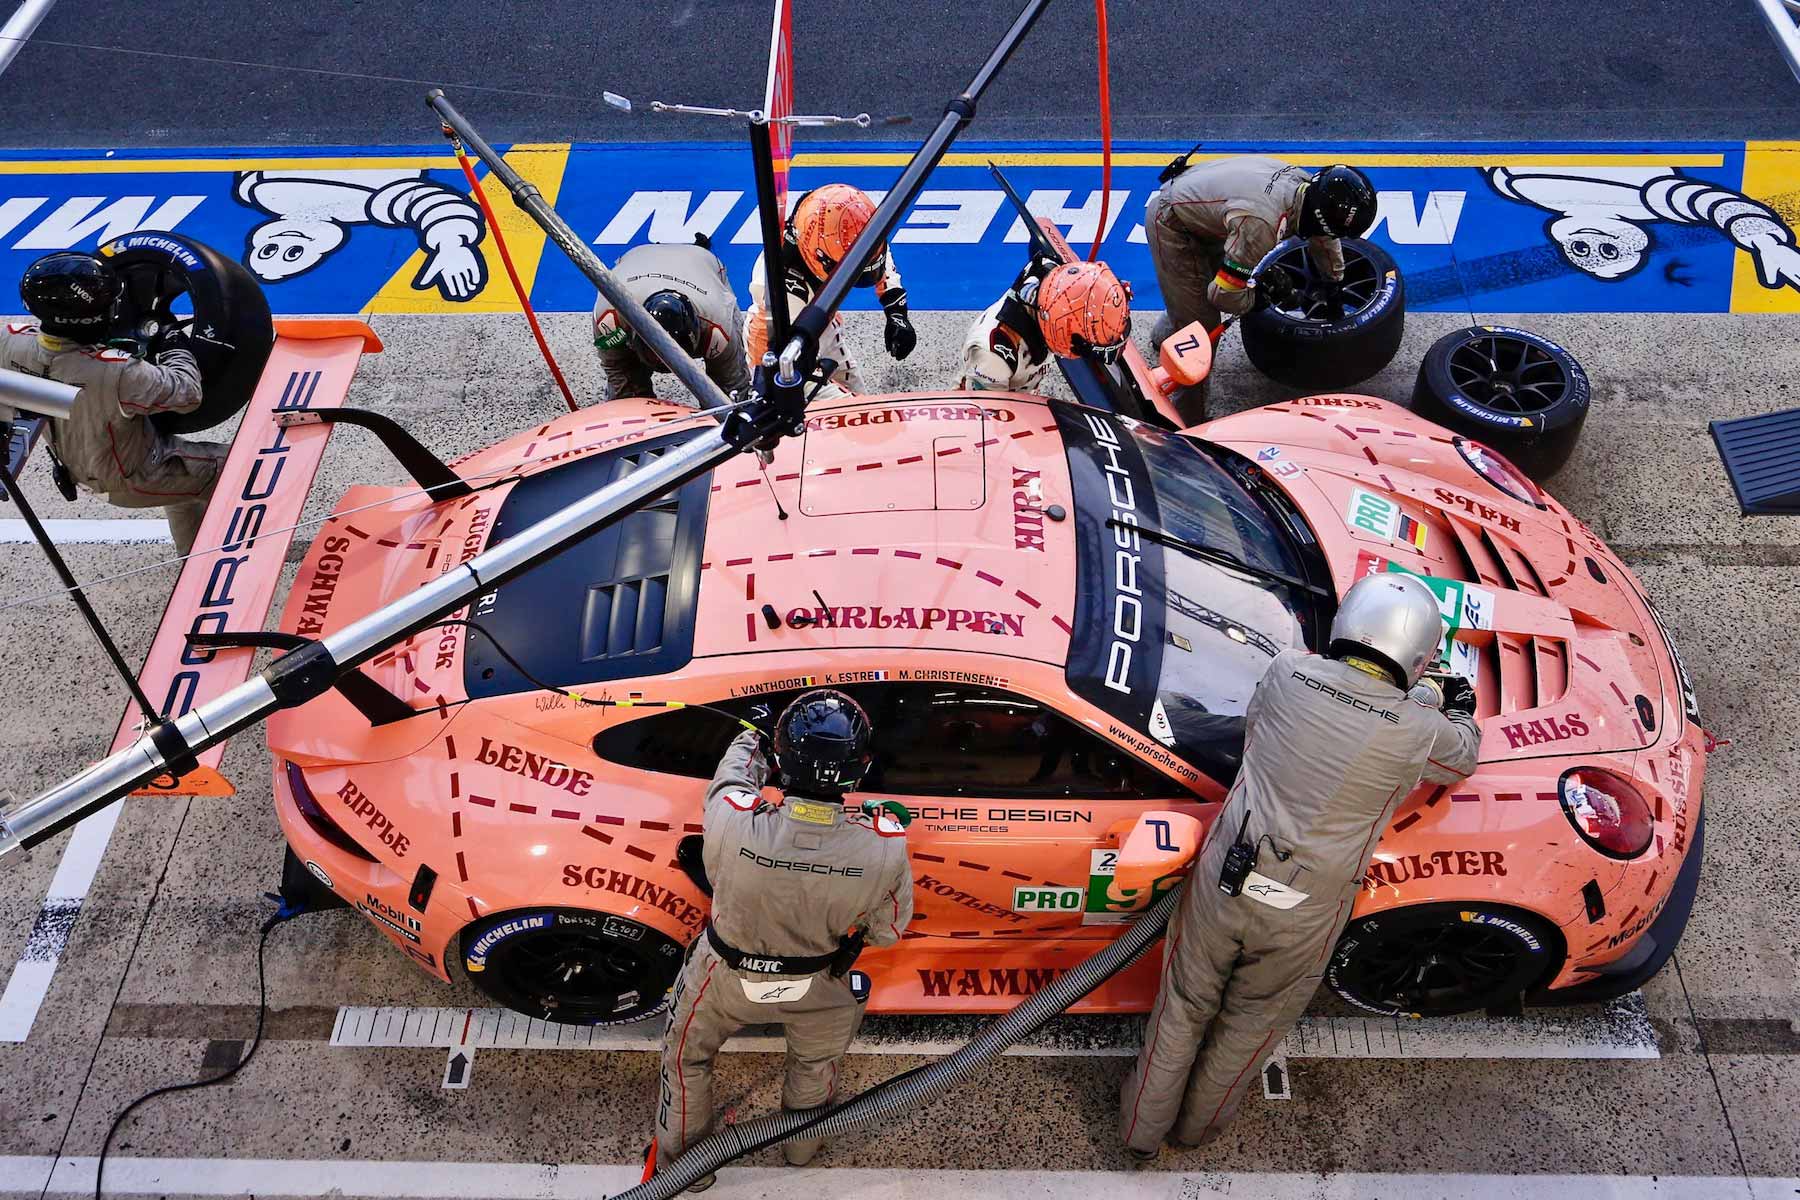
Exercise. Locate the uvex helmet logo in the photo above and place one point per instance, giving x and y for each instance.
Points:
(1126, 627)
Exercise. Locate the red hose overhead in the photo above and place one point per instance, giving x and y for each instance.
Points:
(1105, 133)
(512, 274)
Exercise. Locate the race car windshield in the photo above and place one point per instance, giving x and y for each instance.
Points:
(1187, 581)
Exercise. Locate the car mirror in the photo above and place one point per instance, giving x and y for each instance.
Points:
(1186, 356)
(1160, 844)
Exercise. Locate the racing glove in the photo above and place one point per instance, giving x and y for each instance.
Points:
(899, 334)
(1274, 287)
(1459, 694)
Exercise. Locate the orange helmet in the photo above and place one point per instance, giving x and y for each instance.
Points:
(1083, 306)
(826, 223)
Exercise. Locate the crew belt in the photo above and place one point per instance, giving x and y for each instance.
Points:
(766, 964)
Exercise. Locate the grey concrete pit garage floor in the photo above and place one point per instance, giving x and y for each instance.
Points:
(158, 981)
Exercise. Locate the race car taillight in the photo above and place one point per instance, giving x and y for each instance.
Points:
(1493, 466)
(315, 817)
(1606, 810)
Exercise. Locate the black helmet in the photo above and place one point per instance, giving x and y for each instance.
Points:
(71, 294)
(1339, 202)
(675, 313)
(822, 743)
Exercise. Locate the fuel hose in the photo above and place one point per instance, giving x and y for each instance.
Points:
(891, 1097)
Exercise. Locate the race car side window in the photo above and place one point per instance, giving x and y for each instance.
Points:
(931, 739)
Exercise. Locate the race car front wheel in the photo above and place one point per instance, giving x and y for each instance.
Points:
(1329, 335)
(1520, 393)
(570, 965)
(1435, 960)
(177, 287)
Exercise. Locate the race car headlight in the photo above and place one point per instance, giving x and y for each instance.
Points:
(1492, 466)
(314, 816)
(1607, 811)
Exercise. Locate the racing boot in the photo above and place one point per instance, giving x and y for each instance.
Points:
(800, 1151)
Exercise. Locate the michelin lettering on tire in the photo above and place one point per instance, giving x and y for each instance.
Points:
(475, 958)
(1525, 936)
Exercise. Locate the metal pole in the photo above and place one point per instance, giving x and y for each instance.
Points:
(17, 495)
(19, 27)
(304, 674)
(526, 195)
(762, 154)
(1780, 18)
(810, 325)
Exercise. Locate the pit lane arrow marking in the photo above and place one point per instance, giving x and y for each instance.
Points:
(1277, 1083)
(459, 1067)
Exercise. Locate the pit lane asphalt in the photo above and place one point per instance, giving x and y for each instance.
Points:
(159, 976)
(1529, 69)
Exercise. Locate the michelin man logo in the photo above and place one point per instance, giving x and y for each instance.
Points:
(1601, 211)
(311, 211)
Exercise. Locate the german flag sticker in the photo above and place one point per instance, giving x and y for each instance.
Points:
(1412, 531)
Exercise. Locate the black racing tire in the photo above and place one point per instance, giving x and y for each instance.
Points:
(174, 283)
(1511, 389)
(1320, 343)
(1436, 960)
(571, 965)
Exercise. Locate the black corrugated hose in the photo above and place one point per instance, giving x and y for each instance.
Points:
(921, 1085)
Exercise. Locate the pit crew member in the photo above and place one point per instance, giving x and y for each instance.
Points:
(1211, 223)
(108, 444)
(824, 225)
(798, 886)
(686, 290)
(1332, 746)
(1051, 308)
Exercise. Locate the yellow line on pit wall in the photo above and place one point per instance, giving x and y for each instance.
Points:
(1311, 159)
(150, 166)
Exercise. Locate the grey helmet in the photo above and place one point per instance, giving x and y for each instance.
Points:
(1392, 619)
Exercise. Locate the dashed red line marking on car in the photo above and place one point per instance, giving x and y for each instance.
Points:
(1403, 433)
(1587, 662)
(604, 819)
(1027, 599)
(484, 801)
(1596, 944)
(821, 553)
(949, 562)
(1023, 433)
(739, 562)
(1370, 455)
(473, 910)
(995, 580)
(565, 814)
(907, 554)
(1508, 796)
(749, 627)
(866, 550)
(924, 857)
(946, 453)
(598, 835)
(693, 829)
(462, 867)
(354, 530)
(1625, 920)
(1513, 646)
(911, 458)
(419, 685)
(1614, 684)
(973, 866)
(455, 784)
(456, 824)
(786, 476)
(1432, 800)
(1651, 886)
(1063, 625)
(747, 482)
(527, 809)
(750, 586)
(643, 854)
(390, 543)
(985, 442)
(1547, 797)
(1346, 431)
(659, 826)
(874, 466)
(1406, 822)
(1653, 778)
(1015, 875)
(1465, 798)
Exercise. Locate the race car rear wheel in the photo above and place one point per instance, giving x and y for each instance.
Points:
(1520, 393)
(570, 965)
(176, 286)
(1328, 336)
(1435, 960)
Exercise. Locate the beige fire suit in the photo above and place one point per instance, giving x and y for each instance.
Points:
(1004, 350)
(801, 287)
(1330, 752)
(1211, 225)
(109, 444)
(790, 880)
(696, 273)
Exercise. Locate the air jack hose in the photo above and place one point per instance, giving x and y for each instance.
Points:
(891, 1097)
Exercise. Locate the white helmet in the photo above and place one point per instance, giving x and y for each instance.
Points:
(1393, 619)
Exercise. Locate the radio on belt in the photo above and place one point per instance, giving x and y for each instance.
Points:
(1238, 861)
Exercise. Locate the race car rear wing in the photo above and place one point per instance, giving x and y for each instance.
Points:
(228, 586)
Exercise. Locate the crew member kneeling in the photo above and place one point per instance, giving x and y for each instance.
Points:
(108, 443)
(684, 287)
(1332, 746)
(1067, 309)
(798, 886)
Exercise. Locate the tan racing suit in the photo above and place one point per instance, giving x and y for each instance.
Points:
(790, 879)
(696, 273)
(109, 444)
(801, 287)
(1211, 225)
(1329, 753)
(1004, 350)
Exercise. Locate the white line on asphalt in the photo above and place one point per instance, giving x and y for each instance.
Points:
(1620, 1030)
(69, 531)
(31, 976)
(19, 27)
(271, 1177)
